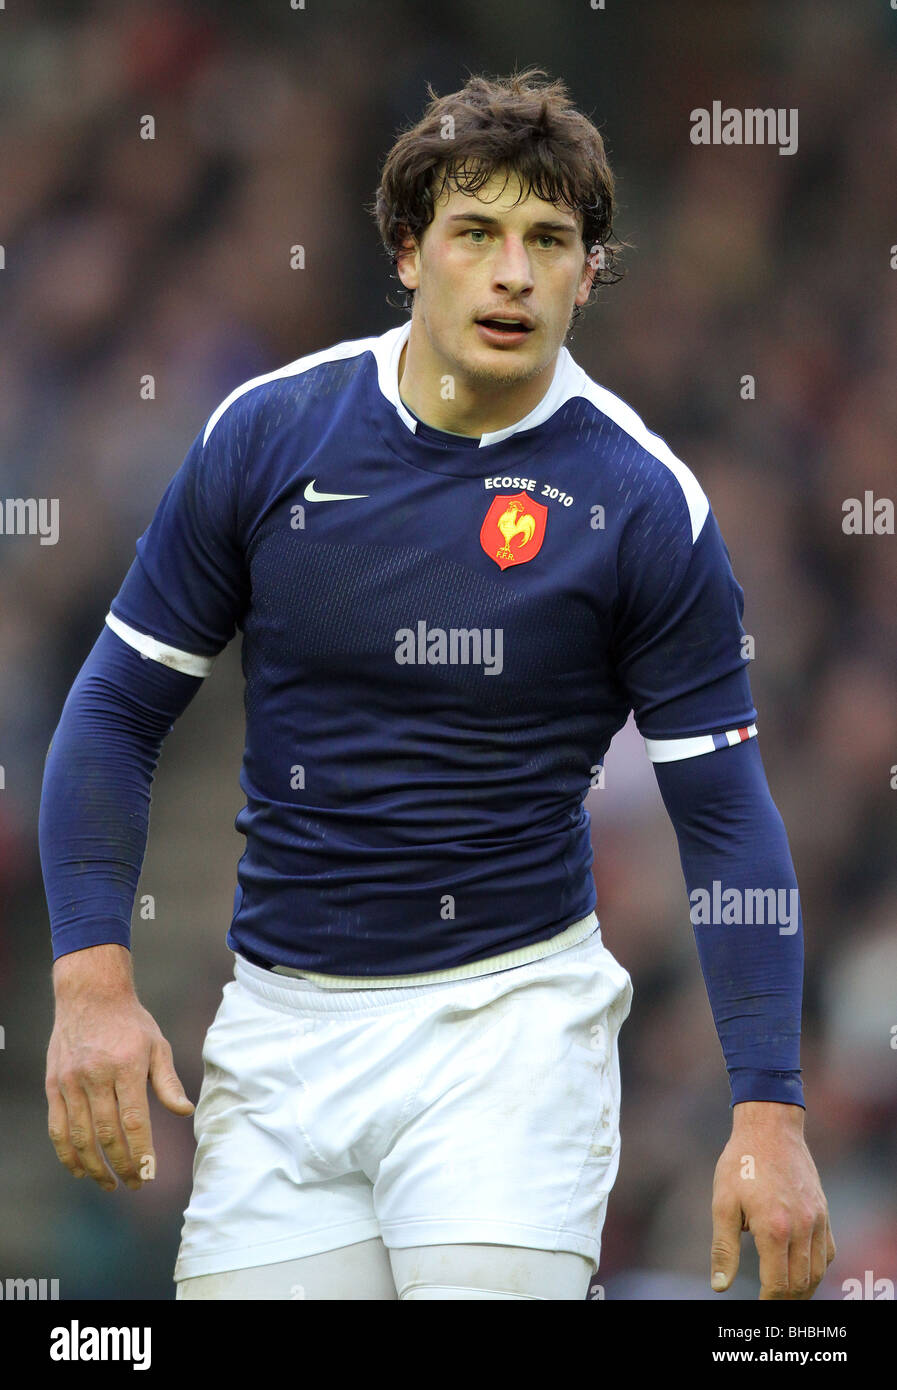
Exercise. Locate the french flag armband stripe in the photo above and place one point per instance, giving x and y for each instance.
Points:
(151, 647)
(671, 750)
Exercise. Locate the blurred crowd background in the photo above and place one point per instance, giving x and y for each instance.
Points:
(127, 258)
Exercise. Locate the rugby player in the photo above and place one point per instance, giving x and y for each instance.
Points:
(457, 564)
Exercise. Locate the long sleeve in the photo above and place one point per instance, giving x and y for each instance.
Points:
(95, 800)
(178, 606)
(679, 655)
(745, 911)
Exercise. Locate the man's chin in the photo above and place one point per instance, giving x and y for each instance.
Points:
(502, 366)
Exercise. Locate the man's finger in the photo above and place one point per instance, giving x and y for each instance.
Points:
(58, 1129)
(819, 1254)
(133, 1109)
(772, 1248)
(81, 1135)
(725, 1249)
(166, 1082)
(800, 1265)
(108, 1130)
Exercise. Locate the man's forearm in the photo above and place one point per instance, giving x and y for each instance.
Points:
(94, 813)
(737, 864)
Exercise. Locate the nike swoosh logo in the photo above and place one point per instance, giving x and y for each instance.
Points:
(311, 494)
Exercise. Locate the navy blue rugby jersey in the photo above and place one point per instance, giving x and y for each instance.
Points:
(440, 637)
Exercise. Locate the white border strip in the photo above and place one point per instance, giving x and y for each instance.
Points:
(671, 750)
(623, 415)
(158, 651)
(352, 347)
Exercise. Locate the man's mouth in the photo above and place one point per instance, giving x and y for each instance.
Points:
(507, 325)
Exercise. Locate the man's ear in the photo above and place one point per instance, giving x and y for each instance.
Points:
(408, 259)
(594, 261)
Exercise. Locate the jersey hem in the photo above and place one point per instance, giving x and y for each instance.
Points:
(507, 960)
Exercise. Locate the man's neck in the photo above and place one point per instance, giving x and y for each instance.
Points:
(470, 412)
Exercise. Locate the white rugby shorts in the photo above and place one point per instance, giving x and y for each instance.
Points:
(476, 1110)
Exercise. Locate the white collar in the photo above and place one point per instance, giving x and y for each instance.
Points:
(567, 381)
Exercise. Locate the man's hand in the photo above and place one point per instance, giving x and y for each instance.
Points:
(767, 1183)
(104, 1047)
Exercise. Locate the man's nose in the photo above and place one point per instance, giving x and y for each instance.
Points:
(512, 270)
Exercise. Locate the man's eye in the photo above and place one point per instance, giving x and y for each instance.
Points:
(543, 236)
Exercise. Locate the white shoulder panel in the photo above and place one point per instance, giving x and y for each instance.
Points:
(624, 416)
(350, 348)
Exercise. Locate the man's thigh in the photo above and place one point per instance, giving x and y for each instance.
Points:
(430, 1273)
(359, 1271)
(439, 1272)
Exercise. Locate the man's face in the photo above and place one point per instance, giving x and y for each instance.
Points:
(487, 256)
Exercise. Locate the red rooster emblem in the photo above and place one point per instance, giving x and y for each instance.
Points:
(513, 529)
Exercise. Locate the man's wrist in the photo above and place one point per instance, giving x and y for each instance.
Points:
(767, 1114)
(100, 969)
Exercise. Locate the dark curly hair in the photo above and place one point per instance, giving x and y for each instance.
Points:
(518, 123)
